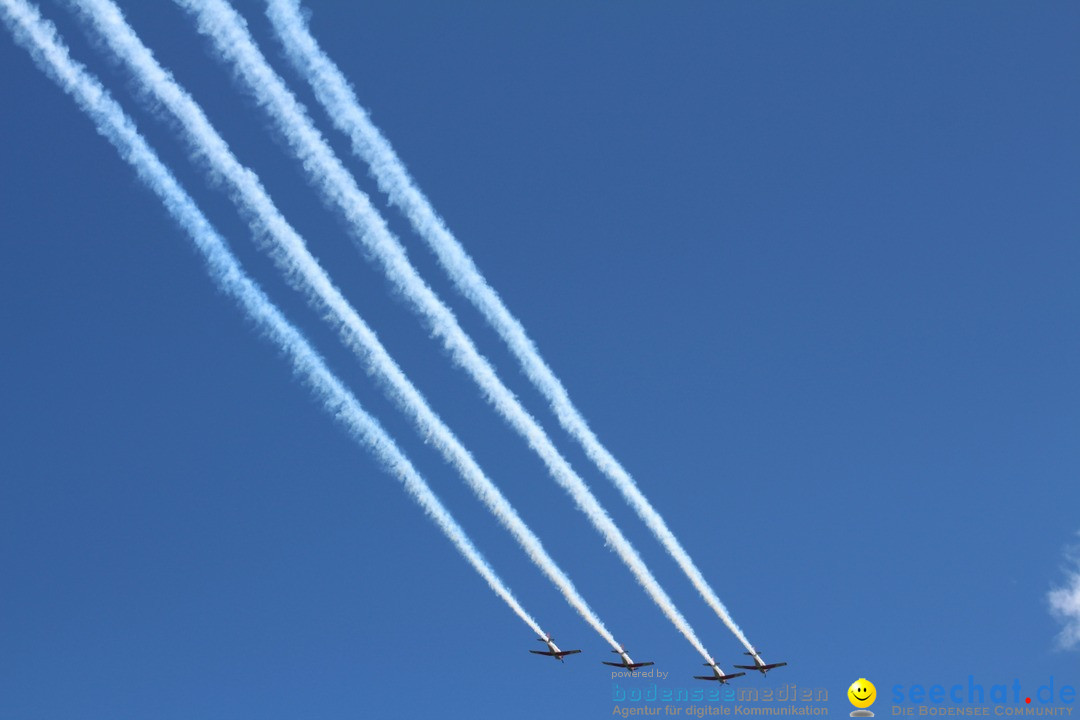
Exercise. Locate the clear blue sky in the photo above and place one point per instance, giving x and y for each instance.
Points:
(810, 270)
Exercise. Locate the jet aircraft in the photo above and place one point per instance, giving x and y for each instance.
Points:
(759, 664)
(553, 649)
(626, 661)
(718, 674)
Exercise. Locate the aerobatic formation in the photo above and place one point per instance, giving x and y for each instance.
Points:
(233, 45)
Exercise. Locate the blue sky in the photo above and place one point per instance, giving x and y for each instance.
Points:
(809, 270)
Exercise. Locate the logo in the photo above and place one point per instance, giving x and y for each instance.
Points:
(862, 695)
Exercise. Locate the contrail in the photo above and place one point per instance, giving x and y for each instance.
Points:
(337, 97)
(304, 271)
(229, 34)
(40, 39)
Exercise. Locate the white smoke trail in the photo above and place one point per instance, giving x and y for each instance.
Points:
(40, 39)
(1065, 602)
(335, 94)
(229, 35)
(293, 258)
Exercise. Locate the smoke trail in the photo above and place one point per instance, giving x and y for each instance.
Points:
(228, 32)
(345, 111)
(40, 39)
(304, 271)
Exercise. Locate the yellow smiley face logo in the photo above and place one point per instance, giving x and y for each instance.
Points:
(862, 693)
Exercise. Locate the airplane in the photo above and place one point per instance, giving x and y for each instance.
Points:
(718, 674)
(759, 664)
(553, 649)
(626, 661)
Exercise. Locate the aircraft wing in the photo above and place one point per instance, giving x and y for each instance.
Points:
(761, 667)
(634, 666)
(544, 652)
(564, 653)
(721, 678)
